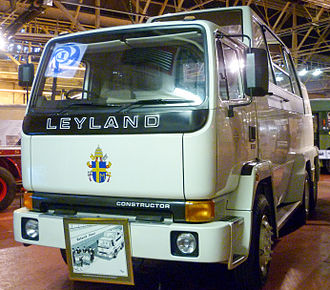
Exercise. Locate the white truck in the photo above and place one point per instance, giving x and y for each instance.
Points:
(110, 244)
(193, 127)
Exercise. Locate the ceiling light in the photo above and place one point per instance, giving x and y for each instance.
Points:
(3, 42)
(317, 72)
(303, 72)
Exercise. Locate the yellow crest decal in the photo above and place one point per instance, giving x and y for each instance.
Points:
(99, 166)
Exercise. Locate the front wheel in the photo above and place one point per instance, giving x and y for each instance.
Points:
(63, 254)
(7, 188)
(327, 165)
(252, 274)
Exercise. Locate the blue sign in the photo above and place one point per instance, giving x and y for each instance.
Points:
(65, 60)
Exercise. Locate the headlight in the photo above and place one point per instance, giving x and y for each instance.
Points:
(30, 229)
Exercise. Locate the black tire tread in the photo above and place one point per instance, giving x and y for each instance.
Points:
(11, 188)
(247, 276)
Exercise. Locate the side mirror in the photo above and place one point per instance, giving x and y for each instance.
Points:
(25, 75)
(256, 72)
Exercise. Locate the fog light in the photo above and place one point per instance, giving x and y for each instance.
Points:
(186, 243)
(30, 229)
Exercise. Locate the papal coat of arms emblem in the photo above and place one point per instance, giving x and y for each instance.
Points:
(99, 166)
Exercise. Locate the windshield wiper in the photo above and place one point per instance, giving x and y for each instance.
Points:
(84, 104)
(153, 102)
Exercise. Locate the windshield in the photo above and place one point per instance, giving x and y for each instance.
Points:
(158, 67)
(104, 243)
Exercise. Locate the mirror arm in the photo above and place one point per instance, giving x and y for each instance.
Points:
(219, 34)
(231, 107)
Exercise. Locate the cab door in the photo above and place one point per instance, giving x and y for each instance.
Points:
(236, 129)
(280, 117)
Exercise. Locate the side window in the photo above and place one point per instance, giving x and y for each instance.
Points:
(285, 76)
(222, 79)
(259, 42)
(230, 73)
(293, 75)
(190, 73)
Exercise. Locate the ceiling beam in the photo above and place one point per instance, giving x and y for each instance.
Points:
(145, 9)
(319, 3)
(310, 29)
(97, 13)
(180, 3)
(294, 41)
(322, 39)
(76, 13)
(281, 15)
(14, 60)
(67, 13)
(161, 11)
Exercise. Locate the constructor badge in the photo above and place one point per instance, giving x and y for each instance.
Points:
(99, 166)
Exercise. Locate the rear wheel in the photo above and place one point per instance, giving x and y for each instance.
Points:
(253, 273)
(304, 210)
(7, 188)
(307, 195)
(314, 187)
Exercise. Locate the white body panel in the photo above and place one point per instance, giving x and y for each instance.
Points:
(148, 166)
(200, 163)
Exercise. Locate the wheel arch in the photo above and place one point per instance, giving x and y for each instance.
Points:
(255, 177)
(304, 162)
(255, 180)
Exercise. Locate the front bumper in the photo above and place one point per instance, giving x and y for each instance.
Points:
(148, 240)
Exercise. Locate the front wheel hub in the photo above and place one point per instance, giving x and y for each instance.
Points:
(265, 245)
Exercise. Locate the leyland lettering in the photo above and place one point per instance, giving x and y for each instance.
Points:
(67, 123)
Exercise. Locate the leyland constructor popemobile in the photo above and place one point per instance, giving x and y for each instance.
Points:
(206, 127)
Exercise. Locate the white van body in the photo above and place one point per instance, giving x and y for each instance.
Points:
(187, 159)
(109, 245)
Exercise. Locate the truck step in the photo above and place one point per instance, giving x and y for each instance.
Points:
(284, 212)
(237, 258)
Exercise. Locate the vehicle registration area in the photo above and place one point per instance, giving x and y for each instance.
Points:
(98, 250)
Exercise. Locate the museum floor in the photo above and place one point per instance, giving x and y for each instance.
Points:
(301, 260)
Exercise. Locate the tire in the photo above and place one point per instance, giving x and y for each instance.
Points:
(312, 192)
(327, 165)
(303, 212)
(307, 196)
(63, 254)
(7, 188)
(253, 273)
(313, 196)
